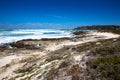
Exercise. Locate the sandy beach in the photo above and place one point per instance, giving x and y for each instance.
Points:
(34, 59)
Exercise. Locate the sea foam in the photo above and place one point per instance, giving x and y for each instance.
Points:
(7, 36)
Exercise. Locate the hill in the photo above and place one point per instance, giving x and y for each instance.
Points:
(101, 28)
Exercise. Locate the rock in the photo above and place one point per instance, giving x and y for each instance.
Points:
(12, 53)
(73, 48)
(114, 39)
(37, 46)
(98, 43)
(6, 46)
(88, 51)
(10, 47)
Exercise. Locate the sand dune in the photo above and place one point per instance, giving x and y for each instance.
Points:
(10, 66)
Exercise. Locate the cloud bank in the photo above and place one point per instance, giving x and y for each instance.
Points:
(33, 26)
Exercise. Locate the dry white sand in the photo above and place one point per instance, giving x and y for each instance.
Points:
(8, 59)
(87, 39)
(105, 34)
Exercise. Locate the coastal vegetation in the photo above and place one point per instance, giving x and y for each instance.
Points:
(105, 62)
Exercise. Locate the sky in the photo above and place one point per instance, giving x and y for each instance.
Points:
(58, 13)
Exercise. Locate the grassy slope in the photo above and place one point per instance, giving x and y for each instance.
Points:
(106, 62)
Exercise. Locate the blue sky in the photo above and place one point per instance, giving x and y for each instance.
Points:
(68, 13)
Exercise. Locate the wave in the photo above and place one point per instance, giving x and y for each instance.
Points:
(52, 33)
(7, 36)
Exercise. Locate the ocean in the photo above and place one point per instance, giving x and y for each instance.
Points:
(8, 36)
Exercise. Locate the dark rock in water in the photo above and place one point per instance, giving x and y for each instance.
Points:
(6, 46)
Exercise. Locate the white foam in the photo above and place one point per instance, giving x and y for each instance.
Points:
(6, 37)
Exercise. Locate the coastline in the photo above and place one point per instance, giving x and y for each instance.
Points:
(34, 53)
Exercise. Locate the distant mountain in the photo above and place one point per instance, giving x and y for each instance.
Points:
(99, 27)
(103, 28)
